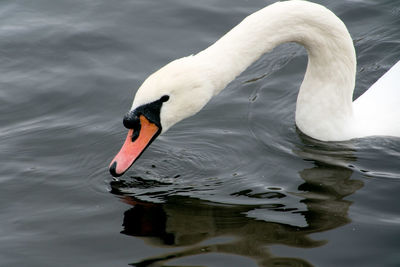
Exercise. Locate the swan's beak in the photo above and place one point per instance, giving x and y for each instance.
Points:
(134, 146)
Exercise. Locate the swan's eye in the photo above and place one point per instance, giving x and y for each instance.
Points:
(164, 98)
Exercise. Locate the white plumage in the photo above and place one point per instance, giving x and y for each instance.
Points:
(324, 110)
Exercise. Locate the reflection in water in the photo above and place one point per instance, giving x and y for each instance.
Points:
(205, 227)
(198, 224)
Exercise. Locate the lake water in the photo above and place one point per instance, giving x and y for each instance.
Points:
(235, 185)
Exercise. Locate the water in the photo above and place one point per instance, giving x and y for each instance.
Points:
(235, 185)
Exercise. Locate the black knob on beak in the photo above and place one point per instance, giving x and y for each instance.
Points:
(132, 121)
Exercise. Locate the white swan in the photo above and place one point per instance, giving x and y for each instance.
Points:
(324, 108)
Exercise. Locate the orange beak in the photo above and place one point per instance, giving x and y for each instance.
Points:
(132, 149)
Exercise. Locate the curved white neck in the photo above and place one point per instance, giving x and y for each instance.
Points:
(324, 103)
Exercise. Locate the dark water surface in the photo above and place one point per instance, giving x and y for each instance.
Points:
(235, 185)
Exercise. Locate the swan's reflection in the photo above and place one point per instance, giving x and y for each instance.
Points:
(204, 227)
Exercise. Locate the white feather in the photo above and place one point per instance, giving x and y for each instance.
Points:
(324, 108)
(378, 109)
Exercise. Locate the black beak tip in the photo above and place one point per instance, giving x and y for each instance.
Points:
(113, 170)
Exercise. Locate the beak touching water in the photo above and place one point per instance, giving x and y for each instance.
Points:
(134, 145)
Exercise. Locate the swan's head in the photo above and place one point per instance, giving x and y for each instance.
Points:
(176, 91)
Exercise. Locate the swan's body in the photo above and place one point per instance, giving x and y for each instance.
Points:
(324, 110)
(377, 111)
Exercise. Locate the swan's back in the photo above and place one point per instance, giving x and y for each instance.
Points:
(378, 109)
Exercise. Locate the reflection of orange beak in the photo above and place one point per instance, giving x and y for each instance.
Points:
(131, 150)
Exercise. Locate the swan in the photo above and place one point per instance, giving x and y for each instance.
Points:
(324, 109)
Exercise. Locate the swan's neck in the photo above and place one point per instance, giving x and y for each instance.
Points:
(324, 104)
